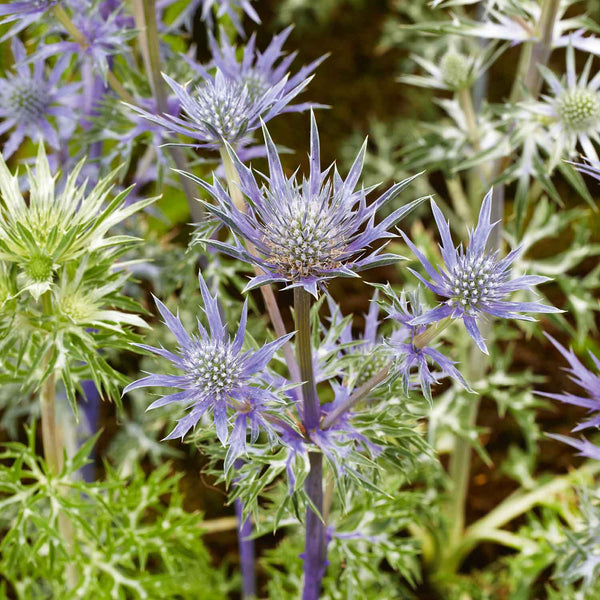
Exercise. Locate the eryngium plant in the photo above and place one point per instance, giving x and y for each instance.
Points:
(61, 281)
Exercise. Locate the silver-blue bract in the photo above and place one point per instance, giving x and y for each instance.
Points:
(474, 281)
(305, 232)
(217, 375)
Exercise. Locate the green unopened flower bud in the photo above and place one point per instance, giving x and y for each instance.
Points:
(77, 307)
(455, 69)
(579, 109)
(373, 363)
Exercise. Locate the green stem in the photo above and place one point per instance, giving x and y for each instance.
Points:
(53, 444)
(145, 17)
(233, 183)
(466, 103)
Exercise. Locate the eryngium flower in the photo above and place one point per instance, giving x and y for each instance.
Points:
(258, 70)
(474, 281)
(411, 356)
(217, 375)
(29, 99)
(305, 232)
(52, 228)
(220, 109)
(24, 12)
(573, 110)
(590, 383)
(102, 36)
(224, 7)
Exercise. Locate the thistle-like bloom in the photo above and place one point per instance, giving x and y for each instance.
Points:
(307, 232)
(29, 100)
(102, 36)
(53, 228)
(24, 12)
(411, 356)
(572, 109)
(474, 281)
(590, 383)
(223, 7)
(220, 109)
(217, 376)
(259, 71)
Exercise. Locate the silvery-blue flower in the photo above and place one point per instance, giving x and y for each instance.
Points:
(474, 282)
(30, 100)
(223, 7)
(104, 35)
(309, 231)
(218, 109)
(22, 13)
(589, 382)
(216, 376)
(260, 71)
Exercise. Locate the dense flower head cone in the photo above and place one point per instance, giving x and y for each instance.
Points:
(305, 231)
(217, 375)
(589, 382)
(474, 281)
(30, 100)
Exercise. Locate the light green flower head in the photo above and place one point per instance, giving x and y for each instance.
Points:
(56, 226)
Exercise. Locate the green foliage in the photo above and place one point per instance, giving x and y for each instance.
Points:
(131, 538)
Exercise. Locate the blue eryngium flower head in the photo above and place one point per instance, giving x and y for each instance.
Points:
(305, 232)
(475, 281)
(30, 100)
(260, 71)
(590, 383)
(216, 375)
(219, 109)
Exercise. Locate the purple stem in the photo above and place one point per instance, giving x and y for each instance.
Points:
(314, 549)
(245, 546)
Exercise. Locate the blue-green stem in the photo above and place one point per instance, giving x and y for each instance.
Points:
(314, 549)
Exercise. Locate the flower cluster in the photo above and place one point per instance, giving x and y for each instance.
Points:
(305, 232)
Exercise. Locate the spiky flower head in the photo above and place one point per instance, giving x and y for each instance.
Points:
(55, 227)
(260, 71)
(589, 382)
(305, 232)
(474, 282)
(101, 35)
(30, 101)
(220, 109)
(23, 13)
(216, 376)
(571, 113)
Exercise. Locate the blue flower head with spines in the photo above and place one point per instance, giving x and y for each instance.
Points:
(475, 281)
(216, 375)
(305, 232)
